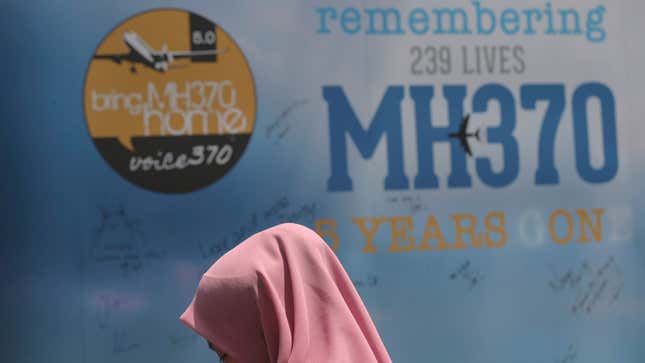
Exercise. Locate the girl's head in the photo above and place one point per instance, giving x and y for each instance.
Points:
(283, 296)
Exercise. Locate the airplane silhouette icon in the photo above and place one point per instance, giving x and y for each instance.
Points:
(141, 52)
(463, 135)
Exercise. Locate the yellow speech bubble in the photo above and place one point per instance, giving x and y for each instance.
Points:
(120, 88)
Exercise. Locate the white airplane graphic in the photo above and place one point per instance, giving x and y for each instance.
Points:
(141, 52)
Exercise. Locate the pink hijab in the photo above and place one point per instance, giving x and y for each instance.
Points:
(282, 296)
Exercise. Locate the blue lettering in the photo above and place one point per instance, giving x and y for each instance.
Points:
(323, 21)
(386, 121)
(427, 135)
(502, 134)
(546, 172)
(608, 117)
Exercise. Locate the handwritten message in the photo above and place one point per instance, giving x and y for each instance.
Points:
(412, 202)
(177, 341)
(370, 280)
(279, 128)
(569, 356)
(589, 285)
(281, 210)
(119, 240)
(465, 272)
(121, 342)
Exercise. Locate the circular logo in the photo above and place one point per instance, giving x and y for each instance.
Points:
(170, 101)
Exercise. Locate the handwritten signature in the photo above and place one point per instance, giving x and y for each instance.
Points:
(370, 281)
(121, 344)
(281, 125)
(281, 210)
(119, 239)
(107, 307)
(569, 356)
(591, 285)
(413, 202)
(467, 273)
(178, 340)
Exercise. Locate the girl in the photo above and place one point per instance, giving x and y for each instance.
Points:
(282, 296)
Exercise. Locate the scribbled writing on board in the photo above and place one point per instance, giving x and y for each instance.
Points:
(587, 286)
(107, 307)
(469, 230)
(121, 342)
(467, 273)
(180, 340)
(569, 356)
(281, 210)
(119, 240)
(279, 128)
(370, 280)
(413, 202)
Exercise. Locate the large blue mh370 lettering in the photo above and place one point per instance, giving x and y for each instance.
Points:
(386, 124)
